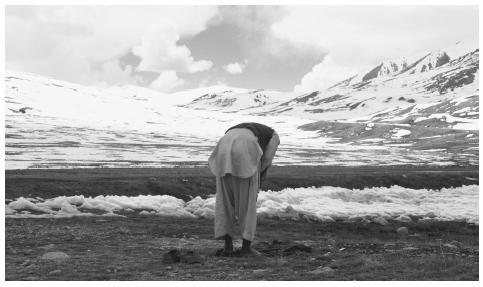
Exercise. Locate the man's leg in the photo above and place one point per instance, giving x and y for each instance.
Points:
(228, 243)
(246, 246)
(224, 211)
(246, 191)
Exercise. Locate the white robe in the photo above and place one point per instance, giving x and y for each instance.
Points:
(237, 153)
(236, 162)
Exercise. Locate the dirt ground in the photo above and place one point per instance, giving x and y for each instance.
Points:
(132, 248)
(135, 247)
(186, 183)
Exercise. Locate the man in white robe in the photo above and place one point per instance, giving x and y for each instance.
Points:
(239, 159)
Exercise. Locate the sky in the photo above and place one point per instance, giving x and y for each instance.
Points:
(172, 48)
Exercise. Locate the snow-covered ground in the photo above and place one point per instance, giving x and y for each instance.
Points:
(56, 124)
(398, 117)
(318, 204)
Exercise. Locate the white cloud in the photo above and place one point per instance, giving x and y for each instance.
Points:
(74, 42)
(159, 52)
(166, 82)
(357, 36)
(324, 75)
(235, 68)
(112, 73)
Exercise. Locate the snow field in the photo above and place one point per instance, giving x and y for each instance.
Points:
(318, 204)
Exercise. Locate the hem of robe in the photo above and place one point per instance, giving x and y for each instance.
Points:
(233, 230)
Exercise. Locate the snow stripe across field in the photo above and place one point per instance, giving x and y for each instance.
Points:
(319, 204)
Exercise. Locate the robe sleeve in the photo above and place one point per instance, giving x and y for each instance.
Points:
(270, 151)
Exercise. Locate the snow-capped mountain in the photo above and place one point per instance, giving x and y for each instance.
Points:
(422, 111)
(433, 89)
(185, 97)
(237, 99)
(386, 68)
(57, 124)
(434, 84)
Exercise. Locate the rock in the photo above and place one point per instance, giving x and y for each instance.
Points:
(456, 243)
(426, 220)
(30, 268)
(176, 256)
(403, 231)
(450, 246)
(365, 221)
(326, 255)
(117, 269)
(403, 218)
(390, 245)
(327, 270)
(172, 256)
(123, 230)
(57, 271)
(354, 218)
(322, 271)
(55, 256)
(380, 220)
(277, 242)
(358, 219)
(48, 247)
(315, 272)
(190, 257)
(297, 248)
(259, 271)
(31, 278)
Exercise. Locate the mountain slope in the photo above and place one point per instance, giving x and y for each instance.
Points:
(419, 111)
(432, 85)
(237, 100)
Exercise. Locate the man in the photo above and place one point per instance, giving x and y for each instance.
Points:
(240, 162)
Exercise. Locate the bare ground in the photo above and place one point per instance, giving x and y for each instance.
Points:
(186, 183)
(134, 247)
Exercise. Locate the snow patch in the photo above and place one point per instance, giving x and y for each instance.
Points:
(318, 204)
(399, 133)
(369, 126)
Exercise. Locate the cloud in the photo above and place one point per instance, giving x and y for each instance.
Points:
(235, 68)
(166, 82)
(324, 75)
(159, 52)
(111, 73)
(364, 34)
(75, 43)
(358, 36)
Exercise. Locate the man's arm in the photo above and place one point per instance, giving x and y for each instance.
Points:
(269, 152)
